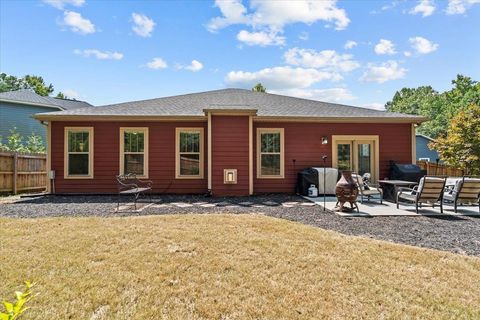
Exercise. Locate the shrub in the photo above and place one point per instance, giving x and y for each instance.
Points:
(14, 310)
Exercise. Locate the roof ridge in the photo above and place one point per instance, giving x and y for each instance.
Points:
(175, 96)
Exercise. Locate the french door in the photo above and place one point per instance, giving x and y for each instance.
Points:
(359, 154)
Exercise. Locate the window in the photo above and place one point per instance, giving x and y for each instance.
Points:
(134, 151)
(270, 153)
(78, 162)
(189, 153)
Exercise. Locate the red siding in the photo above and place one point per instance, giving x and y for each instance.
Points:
(230, 151)
(303, 143)
(106, 158)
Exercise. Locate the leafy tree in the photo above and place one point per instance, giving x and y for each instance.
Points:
(10, 83)
(35, 144)
(60, 95)
(15, 141)
(461, 146)
(439, 108)
(259, 88)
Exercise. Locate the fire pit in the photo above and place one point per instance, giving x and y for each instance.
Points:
(346, 191)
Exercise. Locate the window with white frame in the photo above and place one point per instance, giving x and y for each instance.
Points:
(270, 153)
(189, 153)
(134, 151)
(78, 162)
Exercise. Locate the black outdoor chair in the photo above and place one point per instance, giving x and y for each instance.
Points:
(429, 190)
(129, 184)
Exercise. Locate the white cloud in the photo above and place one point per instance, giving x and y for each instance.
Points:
(425, 7)
(303, 36)
(335, 95)
(194, 66)
(350, 44)
(407, 53)
(142, 25)
(375, 106)
(272, 16)
(329, 60)
(101, 55)
(157, 64)
(260, 38)
(385, 47)
(383, 72)
(459, 6)
(422, 45)
(71, 94)
(278, 78)
(60, 4)
(77, 23)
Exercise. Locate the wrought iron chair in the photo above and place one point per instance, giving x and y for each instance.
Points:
(129, 184)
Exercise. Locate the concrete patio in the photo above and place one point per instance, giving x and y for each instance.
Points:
(375, 209)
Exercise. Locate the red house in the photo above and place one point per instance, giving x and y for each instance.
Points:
(228, 142)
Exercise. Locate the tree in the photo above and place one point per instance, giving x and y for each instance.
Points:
(60, 95)
(259, 88)
(439, 108)
(461, 145)
(10, 83)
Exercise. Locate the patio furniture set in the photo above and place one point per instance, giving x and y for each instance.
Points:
(430, 190)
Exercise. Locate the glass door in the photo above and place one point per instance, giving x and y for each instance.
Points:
(345, 155)
(355, 155)
(364, 160)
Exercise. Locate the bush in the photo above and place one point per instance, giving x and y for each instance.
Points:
(15, 143)
(14, 310)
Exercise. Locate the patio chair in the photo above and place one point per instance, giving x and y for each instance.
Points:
(368, 190)
(429, 190)
(465, 191)
(129, 184)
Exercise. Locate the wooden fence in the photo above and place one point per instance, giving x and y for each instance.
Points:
(434, 169)
(22, 172)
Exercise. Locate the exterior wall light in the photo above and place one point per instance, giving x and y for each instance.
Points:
(324, 140)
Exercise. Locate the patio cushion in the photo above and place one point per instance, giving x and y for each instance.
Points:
(407, 196)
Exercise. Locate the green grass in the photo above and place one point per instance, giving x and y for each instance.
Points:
(226, 267)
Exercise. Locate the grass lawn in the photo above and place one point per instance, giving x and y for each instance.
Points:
(226, 267)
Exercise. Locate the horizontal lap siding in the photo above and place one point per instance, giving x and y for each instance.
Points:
(303, 143)
(106, 158)
(230, 151)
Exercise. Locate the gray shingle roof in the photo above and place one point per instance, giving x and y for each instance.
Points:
(28, 96)
(268, 105)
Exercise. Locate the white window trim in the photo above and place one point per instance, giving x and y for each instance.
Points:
(145, 149)
(66, 175)
(177, 153)
(282, 153)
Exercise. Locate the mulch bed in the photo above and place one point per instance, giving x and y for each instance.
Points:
(455, 234)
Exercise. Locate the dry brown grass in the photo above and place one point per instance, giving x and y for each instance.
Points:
(226, 267)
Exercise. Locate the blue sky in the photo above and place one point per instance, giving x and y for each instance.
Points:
(114, 51)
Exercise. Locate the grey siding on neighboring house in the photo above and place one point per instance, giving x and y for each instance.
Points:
(422, 149)
(20, 116)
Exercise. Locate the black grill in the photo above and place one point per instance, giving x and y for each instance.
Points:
(406, 172)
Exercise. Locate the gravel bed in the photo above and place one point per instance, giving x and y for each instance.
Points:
(455, 234)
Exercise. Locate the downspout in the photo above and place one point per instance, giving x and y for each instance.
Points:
(50, 178)
(209, 154)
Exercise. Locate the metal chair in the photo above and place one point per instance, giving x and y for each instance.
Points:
(369, 190)
(129, 184)
(429, 190)
(465, 191)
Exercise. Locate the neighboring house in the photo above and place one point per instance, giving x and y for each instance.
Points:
(423, 151)
(18, 107)
(227, 142)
